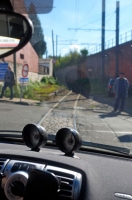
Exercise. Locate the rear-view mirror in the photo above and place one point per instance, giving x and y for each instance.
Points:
(15, 32)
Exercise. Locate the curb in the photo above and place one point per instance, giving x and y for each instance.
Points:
(20, 103)
(24, 103)
(51, 95)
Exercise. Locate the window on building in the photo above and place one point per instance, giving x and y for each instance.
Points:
(22, 56)
(43, 70)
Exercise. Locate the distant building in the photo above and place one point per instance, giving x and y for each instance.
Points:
(37, 67)
(46, 67)
(26, 55)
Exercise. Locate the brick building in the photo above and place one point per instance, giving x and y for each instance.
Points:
(93, 62)
(27, 54)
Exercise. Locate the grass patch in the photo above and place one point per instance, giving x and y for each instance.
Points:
(56, 107)
(93, 106)
(35, 90)
(42, 93)
(49, 81)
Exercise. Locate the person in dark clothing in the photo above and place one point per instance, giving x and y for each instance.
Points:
(8, 82)
(120, 88)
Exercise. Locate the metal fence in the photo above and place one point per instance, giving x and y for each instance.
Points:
(125, 37)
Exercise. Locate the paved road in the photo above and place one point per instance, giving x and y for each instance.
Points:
(101, 125)
(92, 118)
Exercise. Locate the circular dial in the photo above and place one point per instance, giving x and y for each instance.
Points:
(34, 136)
(15, 185)
(68, 141)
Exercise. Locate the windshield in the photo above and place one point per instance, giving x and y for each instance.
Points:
(75, 72)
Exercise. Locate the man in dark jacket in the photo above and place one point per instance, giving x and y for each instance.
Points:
(8, 82)
(120, 88)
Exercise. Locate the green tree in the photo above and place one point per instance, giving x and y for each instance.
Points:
(73, 57)
(37, 39)
(84, 52)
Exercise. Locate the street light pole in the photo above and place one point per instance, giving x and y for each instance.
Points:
(117, 37)
(53, 53)
(56, 44)
(103, 41)
(14, 63)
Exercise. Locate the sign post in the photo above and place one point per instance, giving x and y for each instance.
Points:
(3, 70)
(24, 80)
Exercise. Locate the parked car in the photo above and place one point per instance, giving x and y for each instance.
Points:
(110, 87)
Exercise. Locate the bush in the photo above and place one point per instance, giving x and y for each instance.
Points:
(35, 90)
(49, 80)
(40, 90)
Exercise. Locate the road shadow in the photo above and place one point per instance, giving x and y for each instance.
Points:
(113, 114)
(103, 99)
(125, 138)
(110, 114)
(110, 101)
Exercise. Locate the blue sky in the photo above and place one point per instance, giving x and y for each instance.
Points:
(84, 14)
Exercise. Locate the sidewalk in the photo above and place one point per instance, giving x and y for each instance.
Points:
(22, 102)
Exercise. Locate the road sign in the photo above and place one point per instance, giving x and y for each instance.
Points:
(23, 83)
(3, 70)
(24, 80)
(25, 69)
(54, 61)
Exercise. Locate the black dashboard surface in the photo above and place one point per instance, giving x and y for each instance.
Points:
(102, 175)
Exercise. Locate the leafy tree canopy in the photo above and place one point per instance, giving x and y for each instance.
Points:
(73, 57)
(37, 39)
(84, 52)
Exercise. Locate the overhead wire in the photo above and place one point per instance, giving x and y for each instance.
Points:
(95, 21)
(110, 16)
(76, 12)
(76, 21)
(127, 7)
(92, 22)
(127, 21)
(89, 11)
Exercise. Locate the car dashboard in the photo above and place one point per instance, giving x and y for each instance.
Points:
(87, 176)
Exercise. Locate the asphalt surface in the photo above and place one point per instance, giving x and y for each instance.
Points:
(101, 124)
(93, 118)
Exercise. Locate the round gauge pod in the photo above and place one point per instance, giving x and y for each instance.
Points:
(68, 140)
(34, 136)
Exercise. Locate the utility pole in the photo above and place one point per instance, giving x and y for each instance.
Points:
(117, 37)
(103, 41)
(46, 54)
(14, 63)
(56, 44)
(53, 53)
(53, 43)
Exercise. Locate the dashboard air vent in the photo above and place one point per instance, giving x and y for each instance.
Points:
(3, 163)
(70, 182)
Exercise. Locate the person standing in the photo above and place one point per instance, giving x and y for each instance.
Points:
(120, 89)
(8, 82)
